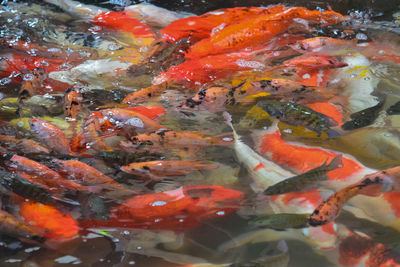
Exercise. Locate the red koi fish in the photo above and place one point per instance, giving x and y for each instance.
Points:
(54, 224)
(177, 209)
(157, 170)
(50, 135)
(124, 22)
(254, 31)
(200, 27)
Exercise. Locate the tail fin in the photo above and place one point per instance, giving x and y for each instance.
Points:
(335, 163)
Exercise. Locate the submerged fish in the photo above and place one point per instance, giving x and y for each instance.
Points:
(157, 170)
(281, 221)
(305, 181)
(365, 117)
(27, 189)
(123, 157)
(15, 227)
(50, 135)
(294, 91)
(167, 138)
(299, 115)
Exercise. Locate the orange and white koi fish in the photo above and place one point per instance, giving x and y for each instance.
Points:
(178, 209)
(86, 174)
(157, 170)
(50, 135)
(54, 224)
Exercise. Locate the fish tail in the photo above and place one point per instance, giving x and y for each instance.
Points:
(335, 163)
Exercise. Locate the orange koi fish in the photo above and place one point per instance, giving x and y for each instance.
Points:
(312, 62)
(157, 170)
(12, 226)
(200, 27)
(169, 138)
(178, 209)
(72, 103)
(129, 118)
(54, 224)
(254, 31)
(86, 174)
(22, 145)
(124, 22)
(43, 174)
(50, 135)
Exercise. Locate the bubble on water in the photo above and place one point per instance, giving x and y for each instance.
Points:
(28, 77)
(29, 250)
(131, 263)
(361, 36)
(353, 75)
(287, 131)
(67, 259)
(220, 213)
(113, 47)
(126, 232)
(20, 124)
(5, 81)
(158, 203)
(115, 240)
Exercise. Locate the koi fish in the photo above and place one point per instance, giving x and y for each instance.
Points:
(295, 114)
(251, 32)
(123, 22)
(72, 102)
(212, 99)
(90, 138)
(169, 138)
(181, 208)
(294, 91)
(364, 117)
(22, 145)
(328, 210)
(27, 189)
(50, 135)
(157, 170)
(44, 175)
(199, 27)
(123, 157)
(129, 118)
(325, 45)
(305, 181)
(312, 62)
(281, 221)
(15, 227)
(52, 222)
(86, 174)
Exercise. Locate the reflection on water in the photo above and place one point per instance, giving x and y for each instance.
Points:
(148, 136)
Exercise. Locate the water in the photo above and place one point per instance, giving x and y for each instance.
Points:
(106, 65)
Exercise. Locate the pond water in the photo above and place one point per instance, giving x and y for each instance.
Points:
(159, 133)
